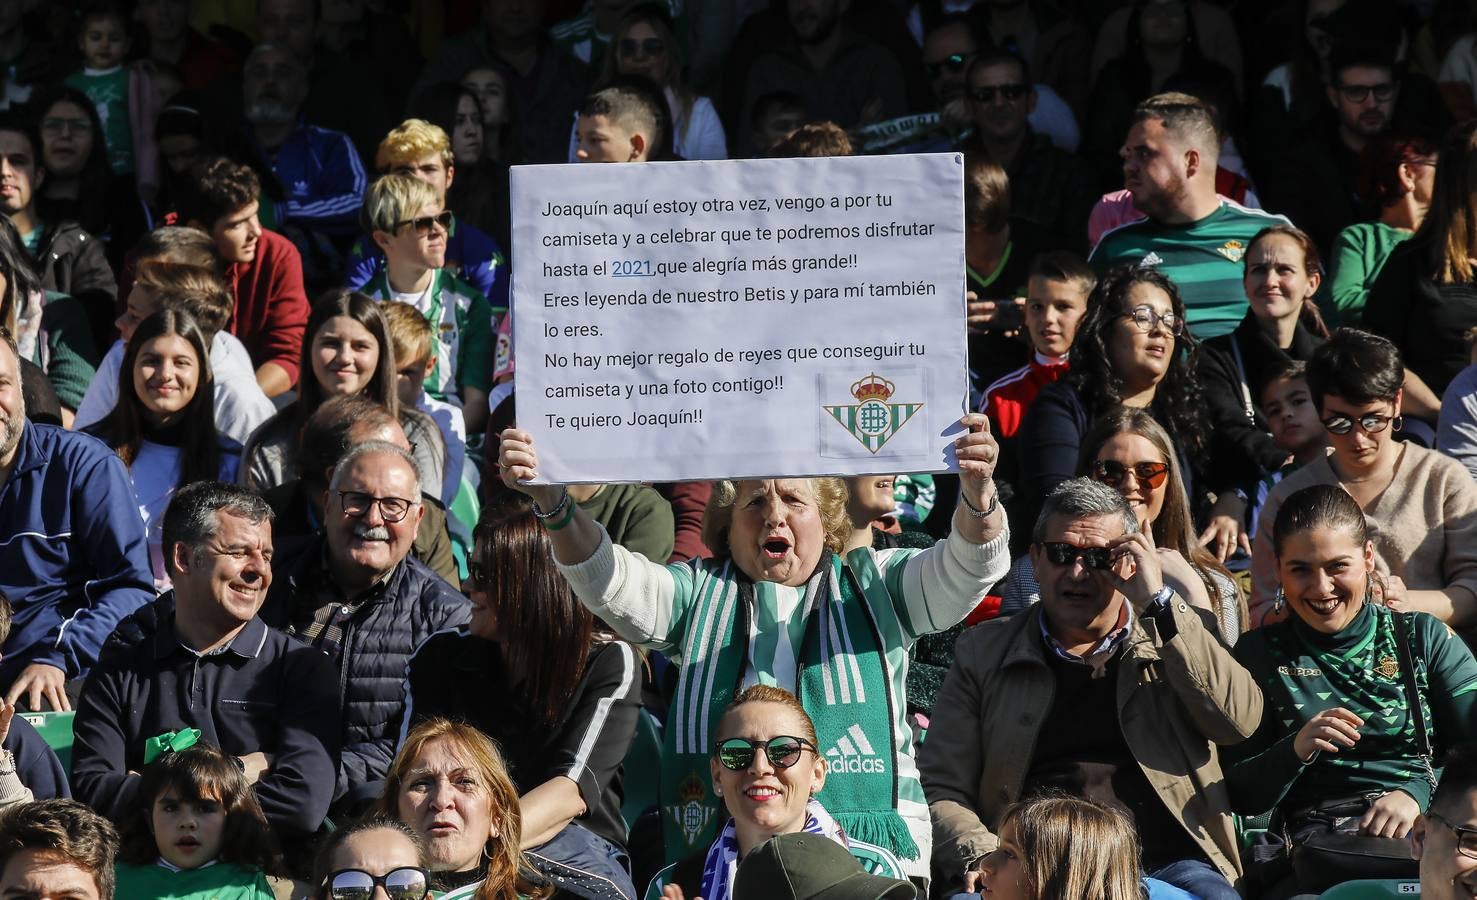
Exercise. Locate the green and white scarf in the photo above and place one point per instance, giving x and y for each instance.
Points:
(842, 682)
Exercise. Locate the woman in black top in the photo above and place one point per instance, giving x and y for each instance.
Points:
(558, 694)
(1282, 273)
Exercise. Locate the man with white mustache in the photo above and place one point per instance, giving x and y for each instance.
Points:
(358, 595)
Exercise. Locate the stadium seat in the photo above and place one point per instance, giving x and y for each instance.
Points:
(642, 769)
(1373, 889)
(55, 729)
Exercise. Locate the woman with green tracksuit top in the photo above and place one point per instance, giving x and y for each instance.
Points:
(1342, 745)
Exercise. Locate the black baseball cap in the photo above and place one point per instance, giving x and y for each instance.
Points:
(805, 866)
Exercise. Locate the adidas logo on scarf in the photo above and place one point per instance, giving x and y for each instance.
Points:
(853, 754)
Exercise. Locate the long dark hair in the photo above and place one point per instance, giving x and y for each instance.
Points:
(366, 311)
(201, 773)
(126, 426)
(1319, 506)
(1450, 226)
(20, 276)
(548, 632)
(1177, 404)
(96, 176)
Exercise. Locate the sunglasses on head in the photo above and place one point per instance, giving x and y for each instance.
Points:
(1112, 472)
(783, 751)
(424, 224)
(1369, 423)
(1010, 93)
(1061, 554)
(404, 883)
(953, 63)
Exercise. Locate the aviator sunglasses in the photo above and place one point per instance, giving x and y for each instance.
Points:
(783, 751)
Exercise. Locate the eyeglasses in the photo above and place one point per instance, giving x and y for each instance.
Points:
(1010, 93)
(357, 503)
(784, 751)
(1112, 472)
(1062, 554)
(954, 63)
(54, 125)
(1358, 93)
(1146, 318)
(644, 48)
(404, 883)
(424, 224)
(1369, 423)
(1466, 836)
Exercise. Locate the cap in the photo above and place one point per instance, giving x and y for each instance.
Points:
(805, 866)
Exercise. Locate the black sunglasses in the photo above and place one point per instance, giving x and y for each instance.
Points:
(424, 224)
(1062, 554)
(1370, 423)
(953, 63)
(783, 751)
(404, 883)
(1010, 93)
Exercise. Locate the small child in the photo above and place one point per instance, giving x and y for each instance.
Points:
(104, 43)
(196, 832)
(618, 124)
(415, 357)
(1293, 418)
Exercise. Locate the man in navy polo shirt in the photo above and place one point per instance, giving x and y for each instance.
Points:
(199, 657)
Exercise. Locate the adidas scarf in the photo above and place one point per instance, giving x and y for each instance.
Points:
(841, 680)
(722, 860)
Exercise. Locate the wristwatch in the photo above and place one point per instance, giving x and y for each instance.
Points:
(1159, 603)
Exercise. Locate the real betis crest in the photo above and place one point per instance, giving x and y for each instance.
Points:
(689, 811)
(872, 420)
(1232, 250)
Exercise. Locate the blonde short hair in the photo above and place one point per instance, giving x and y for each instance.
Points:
(830, 499)
(391, 200)
(410, 333)
(410, 142)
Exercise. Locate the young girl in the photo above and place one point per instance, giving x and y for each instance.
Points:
(196, 833)
(163, 427)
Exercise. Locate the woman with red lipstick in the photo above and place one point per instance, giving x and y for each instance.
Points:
(163, 427)
(1422, 504)
(1342, 677)
(779, 604)
(767, 767)
(197, 834)
(347, 348)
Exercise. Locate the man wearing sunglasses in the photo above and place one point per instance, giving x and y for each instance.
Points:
(357, 593)
(1118, 686)
(1445, 838)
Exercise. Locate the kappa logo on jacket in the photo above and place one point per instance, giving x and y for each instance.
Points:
(853, 753)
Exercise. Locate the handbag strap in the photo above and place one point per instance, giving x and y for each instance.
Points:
(1246, 405)
(1403, 639)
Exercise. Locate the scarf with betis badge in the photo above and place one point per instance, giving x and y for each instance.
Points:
(843, 685)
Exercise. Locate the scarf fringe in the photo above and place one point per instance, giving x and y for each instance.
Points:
(885, 828)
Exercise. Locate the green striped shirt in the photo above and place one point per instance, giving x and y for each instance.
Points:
(1203, 259)
(463, 327)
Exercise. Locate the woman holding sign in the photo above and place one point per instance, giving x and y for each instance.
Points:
(779, 605)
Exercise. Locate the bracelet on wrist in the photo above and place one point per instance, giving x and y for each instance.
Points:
(558, 509)
(563, 520)
(977, 513)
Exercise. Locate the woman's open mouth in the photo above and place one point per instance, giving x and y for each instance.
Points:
(776, 548)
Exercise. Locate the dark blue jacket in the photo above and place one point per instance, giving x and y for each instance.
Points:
(74, 559)
(471, 255)
(264, 692)
(413, 604)
(323, 178)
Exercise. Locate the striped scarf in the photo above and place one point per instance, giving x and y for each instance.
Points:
(841, 680)
(722, 862)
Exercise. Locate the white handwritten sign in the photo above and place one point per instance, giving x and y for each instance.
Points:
(699, 320)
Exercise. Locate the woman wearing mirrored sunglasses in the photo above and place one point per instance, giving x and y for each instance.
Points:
(645, 44)
(1130, 452)
(1422, 504)
(767, 766)
(558, 692)
(375, 859)
(1132, 349)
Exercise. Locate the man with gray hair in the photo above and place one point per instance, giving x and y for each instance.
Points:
(200, 657)
(1111, 688)
(356, 594)
(1193, 235)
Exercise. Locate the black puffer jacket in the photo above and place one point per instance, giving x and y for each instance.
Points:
(71, 261)
(414, 604)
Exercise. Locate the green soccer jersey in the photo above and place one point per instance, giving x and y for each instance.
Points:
(463, 327)
(1202, 258)
(219, 881)
(1303, 673)
(108, 91)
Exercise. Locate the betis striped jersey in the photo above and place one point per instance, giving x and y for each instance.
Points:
(1202, 258)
